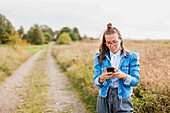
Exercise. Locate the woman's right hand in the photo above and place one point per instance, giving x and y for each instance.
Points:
(105, 75)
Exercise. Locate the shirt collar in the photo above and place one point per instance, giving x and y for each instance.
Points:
(124, 54)
(116, 54)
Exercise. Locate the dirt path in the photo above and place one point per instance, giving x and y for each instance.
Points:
(9, 88)
(63, 100)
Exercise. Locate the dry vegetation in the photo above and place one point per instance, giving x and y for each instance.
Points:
(10, 59)
(155, 63)
(153, 93)
(12, 56)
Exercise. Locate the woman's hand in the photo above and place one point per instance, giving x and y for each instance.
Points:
(119, 74)
(105, 75)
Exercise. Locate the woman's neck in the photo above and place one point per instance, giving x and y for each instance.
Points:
(116, 51)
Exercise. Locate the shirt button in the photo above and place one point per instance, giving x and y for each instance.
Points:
(120, 97)
(102, 68)
(120, 90)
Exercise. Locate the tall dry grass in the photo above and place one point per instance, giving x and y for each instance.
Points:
(155, 63)
(10, 59)
(12, 56)
(151, 95)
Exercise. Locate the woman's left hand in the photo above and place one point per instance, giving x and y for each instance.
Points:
(119, 74)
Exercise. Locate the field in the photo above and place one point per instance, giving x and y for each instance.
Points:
(153, 92)
(12, 57)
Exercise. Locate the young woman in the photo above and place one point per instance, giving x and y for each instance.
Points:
(115, 87)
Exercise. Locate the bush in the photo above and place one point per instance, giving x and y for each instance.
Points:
(64, 38)
(16, 40)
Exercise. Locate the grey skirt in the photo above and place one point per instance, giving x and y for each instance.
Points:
(112, 104)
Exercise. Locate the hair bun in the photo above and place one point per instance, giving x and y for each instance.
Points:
(109, 26)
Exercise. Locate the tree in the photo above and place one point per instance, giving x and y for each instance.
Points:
(47, 37)
(21, 32)
(66, 29)
(29, 34)
(6, 29)
(74, 34)
(35, 35)
(76, 31)
(64, 38)
(48, 33)
(45, 28)
(9, 28)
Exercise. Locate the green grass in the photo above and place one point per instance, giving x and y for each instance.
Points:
(34, 91)
(32, 49)
(68, 89)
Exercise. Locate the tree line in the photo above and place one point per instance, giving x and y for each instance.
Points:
(67, 35)
(36, 34)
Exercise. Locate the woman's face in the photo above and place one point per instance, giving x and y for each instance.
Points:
(113, 42)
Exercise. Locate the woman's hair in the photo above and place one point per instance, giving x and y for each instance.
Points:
(103, 48)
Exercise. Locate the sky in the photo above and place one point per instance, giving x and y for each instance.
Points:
(136, 19)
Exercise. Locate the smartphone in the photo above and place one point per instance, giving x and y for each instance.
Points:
(110, 69)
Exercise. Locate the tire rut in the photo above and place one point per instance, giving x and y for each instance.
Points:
(10, 87)
(63, 100)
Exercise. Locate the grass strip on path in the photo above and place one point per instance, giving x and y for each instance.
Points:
(33, 97)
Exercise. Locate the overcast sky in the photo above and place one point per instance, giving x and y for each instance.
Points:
(136, 19)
